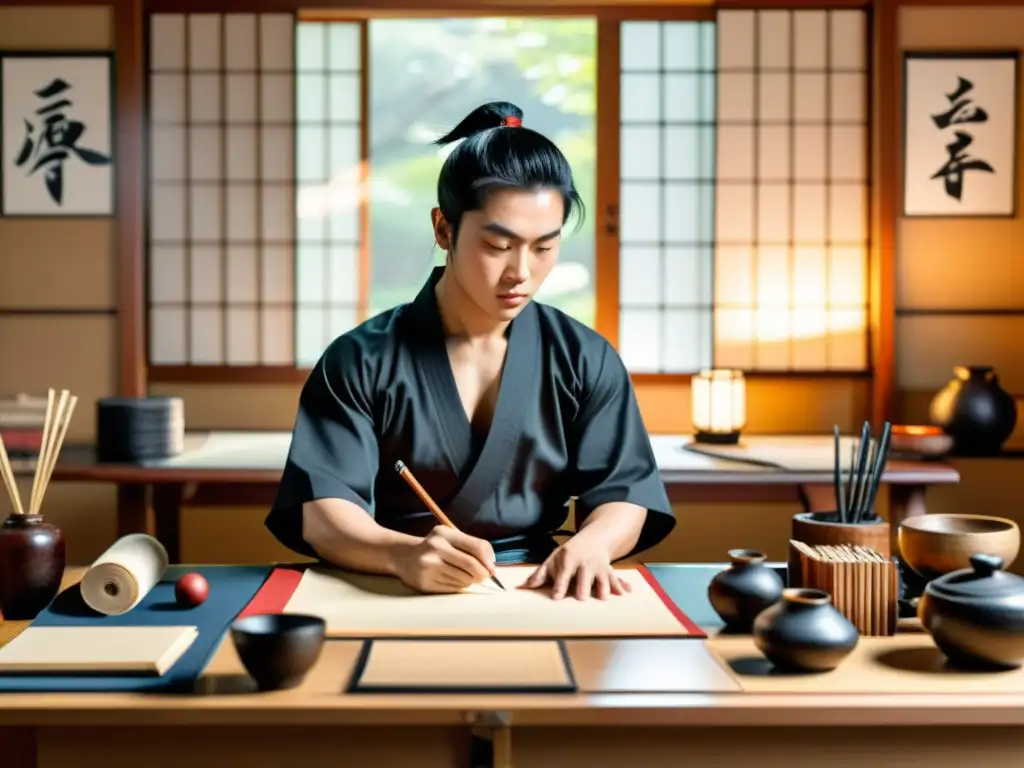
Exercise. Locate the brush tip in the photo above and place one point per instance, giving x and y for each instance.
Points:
(399, 466)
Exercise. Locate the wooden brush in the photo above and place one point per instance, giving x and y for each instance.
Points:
(435, 510)
(863, 583)
(55, 428)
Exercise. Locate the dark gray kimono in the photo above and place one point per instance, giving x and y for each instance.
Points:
(566, 424)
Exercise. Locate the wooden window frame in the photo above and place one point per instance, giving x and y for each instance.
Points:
(133, 15)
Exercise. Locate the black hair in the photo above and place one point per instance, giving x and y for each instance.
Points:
(495, 155)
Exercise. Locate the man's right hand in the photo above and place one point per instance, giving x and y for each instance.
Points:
(444, 561)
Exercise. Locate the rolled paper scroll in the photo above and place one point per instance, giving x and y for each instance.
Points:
(123, 575)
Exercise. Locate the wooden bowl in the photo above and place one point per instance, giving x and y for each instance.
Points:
(920, 441)
(934, 545)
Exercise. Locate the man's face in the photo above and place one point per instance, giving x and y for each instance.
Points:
(505, 251)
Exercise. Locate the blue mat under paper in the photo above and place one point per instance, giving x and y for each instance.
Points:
(231, 589)
(687, 585)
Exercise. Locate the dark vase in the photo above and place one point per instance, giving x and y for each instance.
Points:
(744, 589)
(32, 564)
(804, 632)
(975, 411)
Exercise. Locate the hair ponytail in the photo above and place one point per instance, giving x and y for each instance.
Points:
(497, 152)
(491, 115)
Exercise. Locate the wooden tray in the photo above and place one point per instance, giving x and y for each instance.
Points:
(463, 666)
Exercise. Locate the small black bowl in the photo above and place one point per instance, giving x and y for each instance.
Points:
(277, 650)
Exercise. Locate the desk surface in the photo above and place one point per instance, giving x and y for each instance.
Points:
(622, 682)
(258, 457)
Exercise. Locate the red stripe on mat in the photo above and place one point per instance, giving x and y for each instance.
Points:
(275, 593)
(683, 619)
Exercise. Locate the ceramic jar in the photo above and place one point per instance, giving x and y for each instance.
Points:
(32, 562)
(744, 589)
(976, 615)
(975, 411)
(804, 632)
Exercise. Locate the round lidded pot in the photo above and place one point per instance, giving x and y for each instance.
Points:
(976, 615)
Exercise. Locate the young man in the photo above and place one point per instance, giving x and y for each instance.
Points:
(502, 408)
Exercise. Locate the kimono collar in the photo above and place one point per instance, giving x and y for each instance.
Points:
(425, 316)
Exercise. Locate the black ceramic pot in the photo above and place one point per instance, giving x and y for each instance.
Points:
(975, 411)
(277, 650)
(804, 632)
(744, 589)
(976, 616)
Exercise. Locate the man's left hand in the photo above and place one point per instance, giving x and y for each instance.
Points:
(582, 564)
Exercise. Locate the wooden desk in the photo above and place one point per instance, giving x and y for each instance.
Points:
(244, 468)
(655, 703)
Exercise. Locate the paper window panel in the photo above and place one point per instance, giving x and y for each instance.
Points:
(222, 187)
(791, 224)
(167, 98)
(206, 335)
(331, 183)
(242, 205)
(667, 195)
(167, 47)
(204, 42)
(277, 335)
(205, 273)
(277, 42)
(168, 335)
(240, 43)
(168, 163)
(241, 155)
(167, 275)
(242, 335)
(241, 98)
(243, 278)
(204, 153)
(774, 40)
(848, 44)
(276, 284)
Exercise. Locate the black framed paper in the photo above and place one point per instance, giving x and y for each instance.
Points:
(960, 133)
(56, 143)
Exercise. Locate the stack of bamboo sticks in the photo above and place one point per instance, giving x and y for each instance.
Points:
(864, 585)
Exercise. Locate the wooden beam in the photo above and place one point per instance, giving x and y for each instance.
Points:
(886, 124)
(446, 6)
(605, 217)
(55, 3)
(131, 159)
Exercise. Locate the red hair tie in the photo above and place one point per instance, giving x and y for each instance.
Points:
(512, 121)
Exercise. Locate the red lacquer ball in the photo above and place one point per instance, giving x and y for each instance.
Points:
(191, 590)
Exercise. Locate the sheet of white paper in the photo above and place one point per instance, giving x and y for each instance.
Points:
(360, 605)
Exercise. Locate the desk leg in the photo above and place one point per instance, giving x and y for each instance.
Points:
(818, 498)
(167, 511)
(19, 747)
(502, 740)
(131, 510)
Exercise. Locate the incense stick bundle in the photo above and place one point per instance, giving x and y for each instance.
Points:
(864, 584)
(55, 428)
